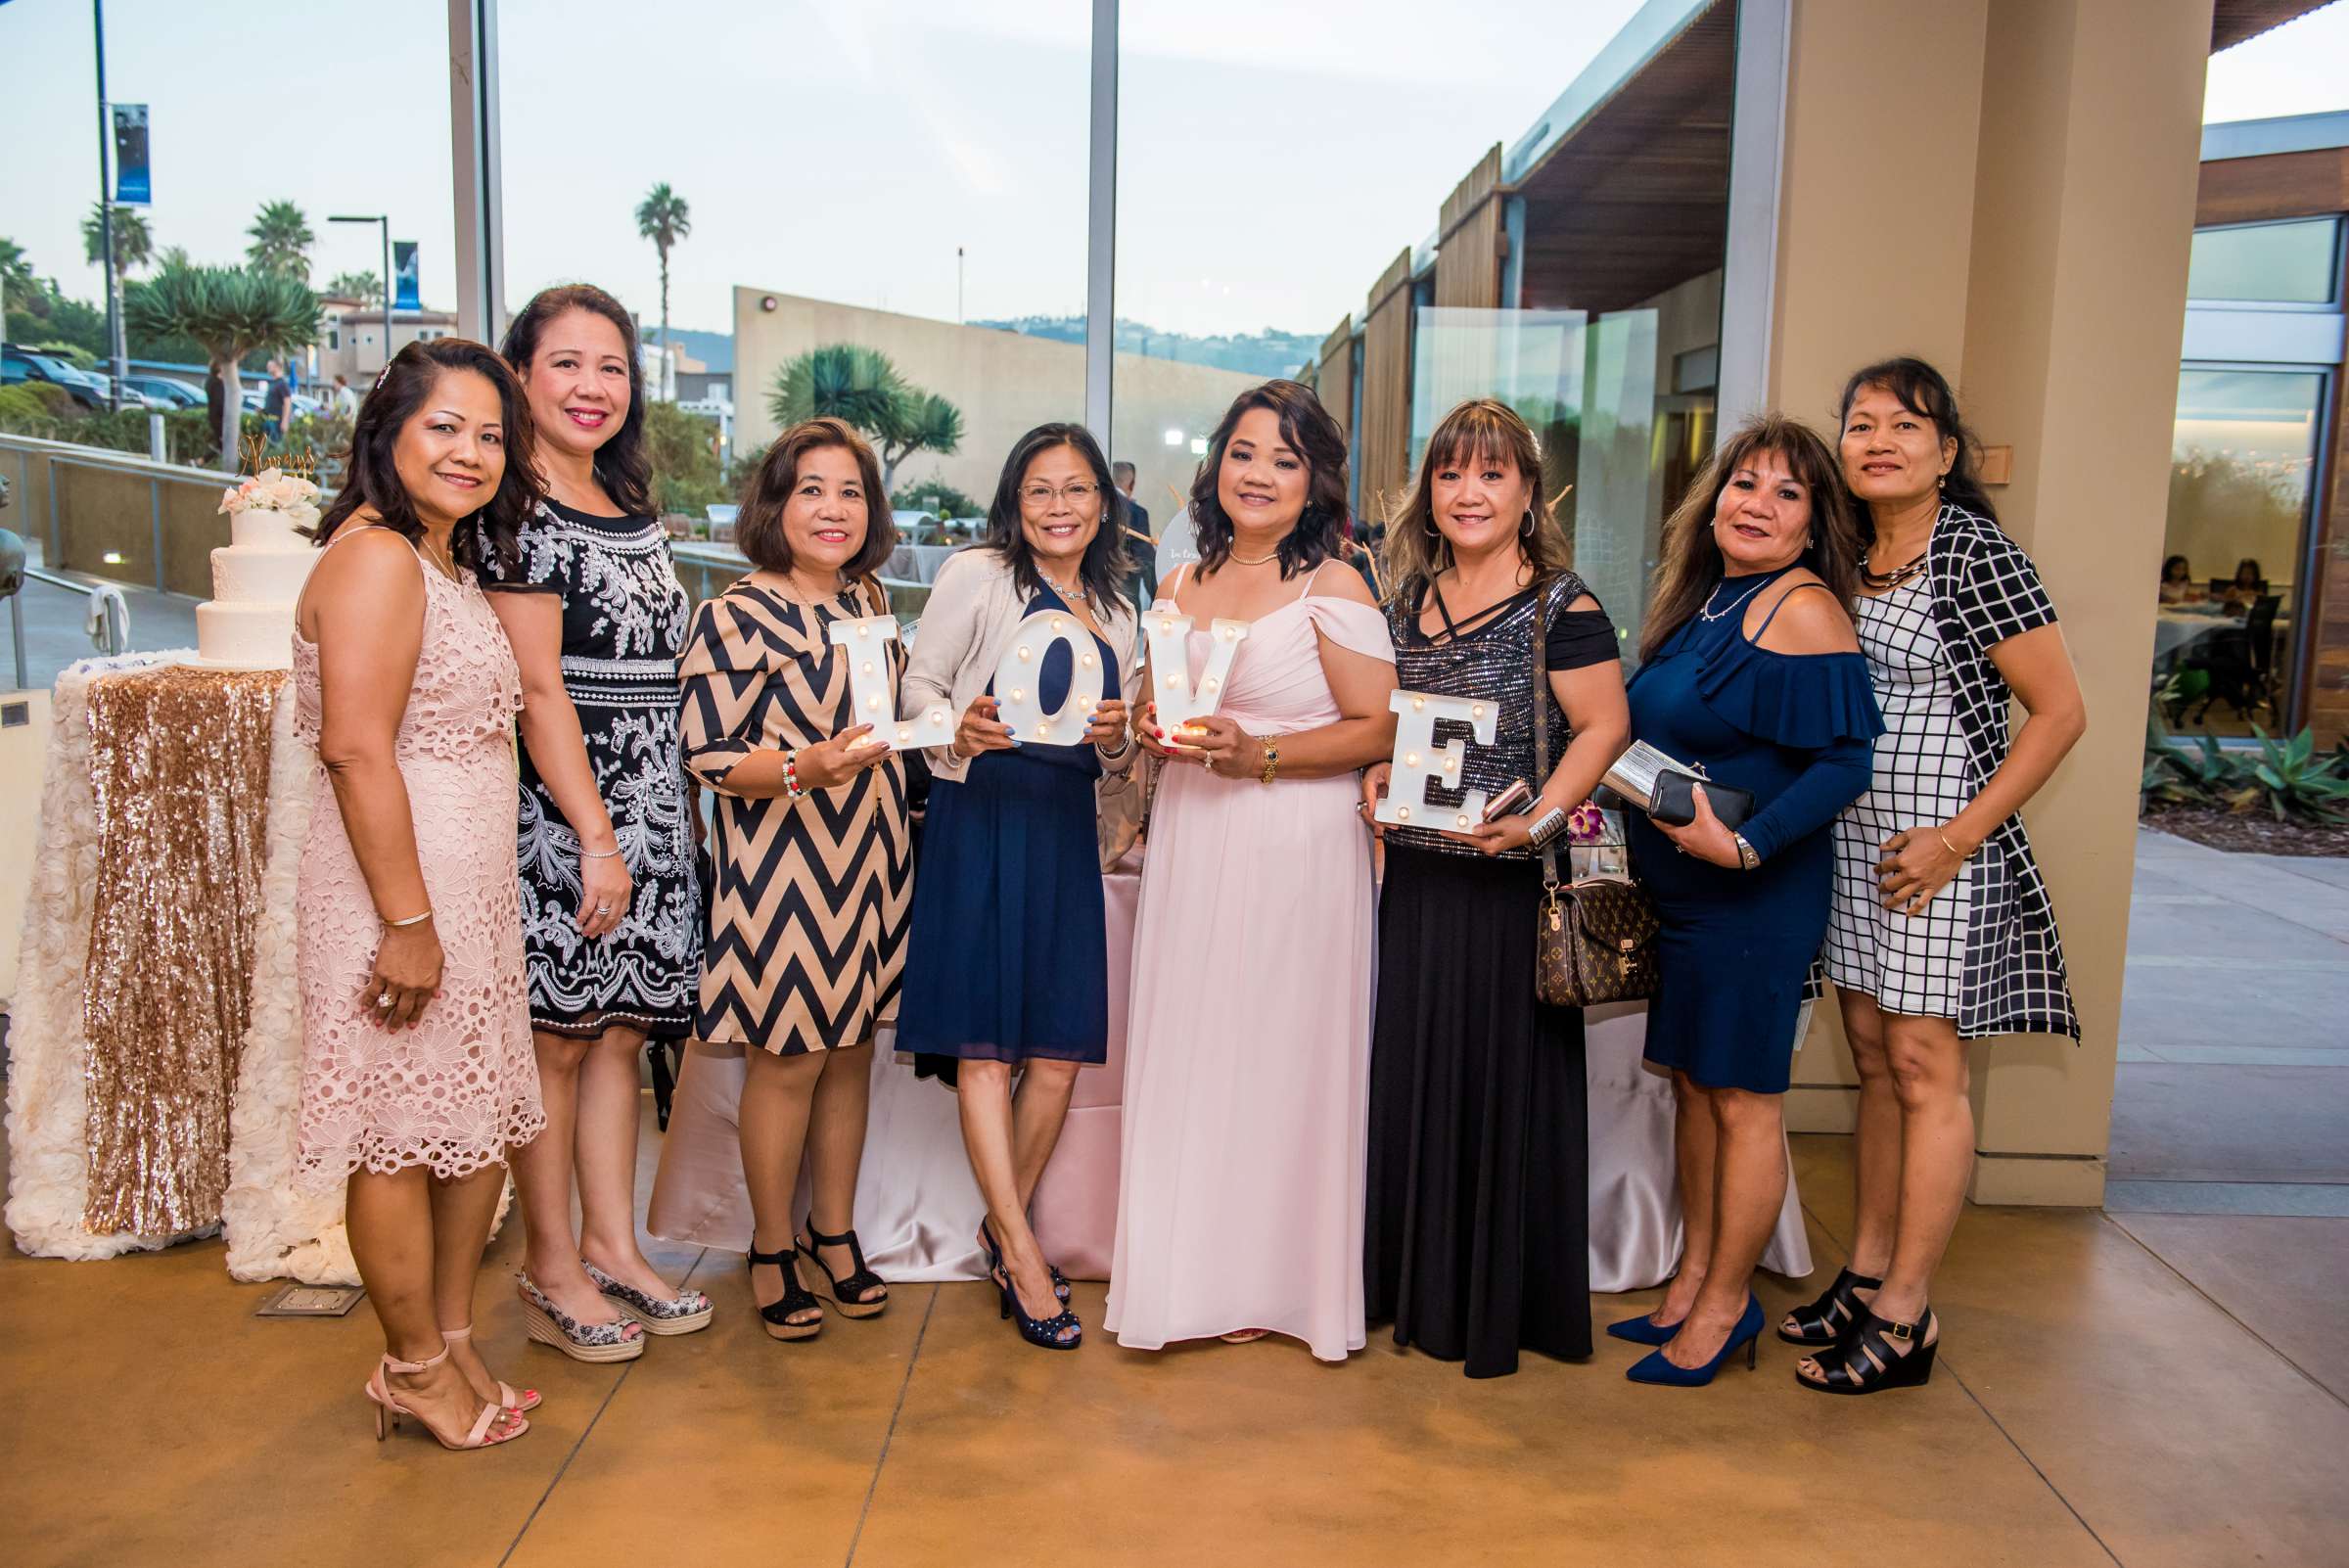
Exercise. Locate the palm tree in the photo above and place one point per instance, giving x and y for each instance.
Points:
(229, 312)
(839, 381)
(920, 422)
(355, 286)
(664, 218)
(134, 242)
(16, 272)
(281, 242)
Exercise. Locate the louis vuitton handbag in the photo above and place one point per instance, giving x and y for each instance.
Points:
(1595, 939)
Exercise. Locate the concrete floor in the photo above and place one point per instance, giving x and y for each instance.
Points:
(2166, 1384)
(2159, 1391)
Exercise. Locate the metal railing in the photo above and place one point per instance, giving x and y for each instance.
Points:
(105, 615)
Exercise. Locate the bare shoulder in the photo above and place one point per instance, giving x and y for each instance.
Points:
(1335, 579)
(370, 560)
(1803, 617)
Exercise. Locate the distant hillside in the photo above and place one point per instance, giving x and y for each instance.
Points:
(712, 348)
(1267, 353)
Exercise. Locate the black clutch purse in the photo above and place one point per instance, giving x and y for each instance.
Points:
(1675, 800)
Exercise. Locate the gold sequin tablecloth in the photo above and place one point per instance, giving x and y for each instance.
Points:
(157, 1032)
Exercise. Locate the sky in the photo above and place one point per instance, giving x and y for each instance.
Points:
(1270, 161)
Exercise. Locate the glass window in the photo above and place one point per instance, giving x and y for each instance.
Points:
(854, 195)
(2286, 263)
(244, 168)
(2242, 462)
(1459, 245)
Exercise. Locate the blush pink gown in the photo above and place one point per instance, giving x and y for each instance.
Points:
(1247, 1045)
(454, 1092)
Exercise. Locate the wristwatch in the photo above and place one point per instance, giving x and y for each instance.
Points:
(1748, 857)
(1272, 750)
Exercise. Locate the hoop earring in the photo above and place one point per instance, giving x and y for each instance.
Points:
(1525, 529)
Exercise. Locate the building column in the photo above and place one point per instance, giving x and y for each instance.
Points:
(2020, 214)
(2084, 215)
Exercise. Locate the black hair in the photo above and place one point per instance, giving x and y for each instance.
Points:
(491, 534)
(622, 465)
(1926, 393)
(1104, 570)
(1309, 431)
(2178, 561)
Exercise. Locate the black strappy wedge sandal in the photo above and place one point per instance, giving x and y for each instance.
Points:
(846, 1294)
(1835, 1312)
(776, 1315)
(1869, 1361)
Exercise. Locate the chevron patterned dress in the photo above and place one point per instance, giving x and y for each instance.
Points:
(807, 936)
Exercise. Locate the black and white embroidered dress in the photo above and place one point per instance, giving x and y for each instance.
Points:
(624, 617)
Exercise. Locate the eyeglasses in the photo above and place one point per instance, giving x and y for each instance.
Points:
(1080, 492)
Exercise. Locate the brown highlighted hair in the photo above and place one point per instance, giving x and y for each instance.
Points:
(1306, 429)
(371, 478)
(622, 465)
(1482, 430)
(758, 530)
(1691, 566)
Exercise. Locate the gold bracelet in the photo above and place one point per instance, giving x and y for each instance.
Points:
(412, 920)
(1952, 848)
(1272, 750)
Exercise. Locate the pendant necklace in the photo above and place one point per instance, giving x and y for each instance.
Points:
(1709, 614)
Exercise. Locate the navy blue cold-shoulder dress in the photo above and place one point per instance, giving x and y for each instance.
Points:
(1736, 946)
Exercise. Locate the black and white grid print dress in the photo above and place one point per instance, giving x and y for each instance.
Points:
(624, 617)
(1911, 964)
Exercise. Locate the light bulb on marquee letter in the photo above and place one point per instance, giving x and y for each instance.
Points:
(870, 700)
(1419, 760)
(1018, 700)
(1179, 701)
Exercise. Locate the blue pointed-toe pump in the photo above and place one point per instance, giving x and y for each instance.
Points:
(1653, 1367)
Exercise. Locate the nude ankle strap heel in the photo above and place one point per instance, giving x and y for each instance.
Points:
(524, 1401)
(494, 1426)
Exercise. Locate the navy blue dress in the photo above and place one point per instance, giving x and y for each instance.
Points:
(1008, 957)
(1736, 946)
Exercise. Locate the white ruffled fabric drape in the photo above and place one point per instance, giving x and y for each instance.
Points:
(273, 1230)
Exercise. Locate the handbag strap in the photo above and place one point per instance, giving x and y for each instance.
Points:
(1549, 851)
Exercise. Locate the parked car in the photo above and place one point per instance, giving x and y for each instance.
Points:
(132, 396)
(164, 391)
(21, 364)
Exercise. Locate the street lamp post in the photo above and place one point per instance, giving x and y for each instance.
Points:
(106, 220)
(384, 219)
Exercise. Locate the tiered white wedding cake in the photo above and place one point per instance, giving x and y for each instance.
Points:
(248, 621)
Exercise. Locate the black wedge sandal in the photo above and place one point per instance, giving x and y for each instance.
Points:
(846, 1294)
(1880, 1355)
(776, 1315)
(1836, 1312)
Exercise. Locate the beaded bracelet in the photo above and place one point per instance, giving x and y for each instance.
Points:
(791, 775)
(597, 854)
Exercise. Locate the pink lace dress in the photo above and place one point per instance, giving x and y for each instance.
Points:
(454, 1091)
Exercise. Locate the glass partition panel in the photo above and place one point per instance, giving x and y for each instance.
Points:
(873, 210)
(1297, 188)
(2242, 463)
(2283, 263)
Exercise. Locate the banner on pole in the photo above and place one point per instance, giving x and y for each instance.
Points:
(132, 185)
(404, 272)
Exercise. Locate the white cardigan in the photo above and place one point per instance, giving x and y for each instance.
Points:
(974, 607)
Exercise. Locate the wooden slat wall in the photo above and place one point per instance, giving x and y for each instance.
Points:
(1469, 239)
(2282, 185)
(1334, 384)
(1383, 449)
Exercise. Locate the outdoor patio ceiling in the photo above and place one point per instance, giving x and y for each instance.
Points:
(1636, 199)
